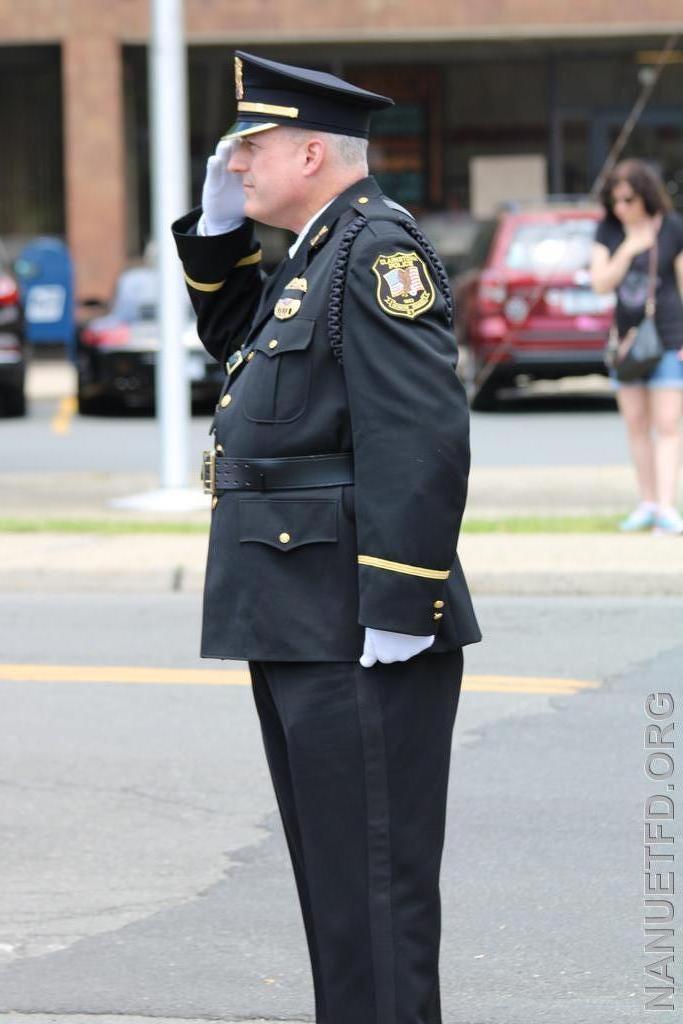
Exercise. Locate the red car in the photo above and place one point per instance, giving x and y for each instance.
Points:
(13, 348)
(524, 305)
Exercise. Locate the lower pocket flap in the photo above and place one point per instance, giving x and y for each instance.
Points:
(287, 523)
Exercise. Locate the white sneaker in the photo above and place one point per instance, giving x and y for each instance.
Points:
(668, 520)
(642, 518)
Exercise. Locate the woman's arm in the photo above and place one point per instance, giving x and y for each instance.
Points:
(609, 271)
(678, 265)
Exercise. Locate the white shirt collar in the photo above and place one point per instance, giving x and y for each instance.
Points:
(297, 242)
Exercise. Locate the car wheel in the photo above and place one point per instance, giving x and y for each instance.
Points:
(485, 398)
(14, 403)
(93, 405)
(480, 395)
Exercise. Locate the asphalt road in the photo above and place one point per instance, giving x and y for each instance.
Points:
(548, 425)
(144, 871)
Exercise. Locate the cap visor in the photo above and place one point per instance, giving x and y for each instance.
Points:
(242, 128)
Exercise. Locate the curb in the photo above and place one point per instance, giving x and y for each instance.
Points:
(481, 584)
(494, 563)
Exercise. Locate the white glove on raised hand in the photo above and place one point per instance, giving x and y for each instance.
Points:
(385, 646)
(222, 194)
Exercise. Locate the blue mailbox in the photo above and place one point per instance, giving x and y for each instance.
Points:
(45, 273)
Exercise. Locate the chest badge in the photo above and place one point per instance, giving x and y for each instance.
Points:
(286, 308)
(404, 287)
(297, 284)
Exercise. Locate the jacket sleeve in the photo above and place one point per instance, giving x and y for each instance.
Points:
(410, 426)
(224, 280)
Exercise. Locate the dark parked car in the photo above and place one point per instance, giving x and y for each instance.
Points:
(524, 305)
(117, 353)
(13, 348)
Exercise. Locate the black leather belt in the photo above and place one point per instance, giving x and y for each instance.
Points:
(221, 473)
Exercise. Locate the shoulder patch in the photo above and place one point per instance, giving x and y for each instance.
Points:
(404, 287)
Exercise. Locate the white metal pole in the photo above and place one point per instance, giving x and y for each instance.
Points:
(168, 102)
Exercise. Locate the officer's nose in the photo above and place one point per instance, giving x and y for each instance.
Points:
(236, 163)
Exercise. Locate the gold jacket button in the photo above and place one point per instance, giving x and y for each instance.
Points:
(284, 538)
(214, 501)
(250, 356)
(273, 343)
(363, 199)
(219, 449)
(438, 604)
(226, 400)
(438, 615)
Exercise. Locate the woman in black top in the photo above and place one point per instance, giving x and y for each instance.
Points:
(638, 214)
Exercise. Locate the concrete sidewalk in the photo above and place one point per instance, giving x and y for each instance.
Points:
(494, 563)
(513, 563)
(494, 493)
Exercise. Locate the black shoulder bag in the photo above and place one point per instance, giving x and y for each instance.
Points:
(635, 355)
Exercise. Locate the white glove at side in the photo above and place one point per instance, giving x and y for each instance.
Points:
(385, 646)
(222, 194)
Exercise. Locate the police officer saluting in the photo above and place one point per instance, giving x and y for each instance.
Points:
(339, 477)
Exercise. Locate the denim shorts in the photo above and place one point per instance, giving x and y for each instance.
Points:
(668, 373)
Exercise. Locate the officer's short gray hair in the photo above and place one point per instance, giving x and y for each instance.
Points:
(345, 149)
(348, 149)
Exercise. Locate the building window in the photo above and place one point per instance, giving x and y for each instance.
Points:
(31, 168)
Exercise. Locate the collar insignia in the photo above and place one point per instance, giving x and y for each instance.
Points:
(317, 238)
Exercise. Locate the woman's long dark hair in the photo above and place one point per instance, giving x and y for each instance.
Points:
(644, 181)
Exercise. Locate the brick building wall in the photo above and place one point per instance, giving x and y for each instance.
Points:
(91, 35)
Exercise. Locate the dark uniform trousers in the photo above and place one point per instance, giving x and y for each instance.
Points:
(359, 760)
(359, 757)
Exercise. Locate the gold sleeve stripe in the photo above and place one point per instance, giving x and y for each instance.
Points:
(410, 570)
(198, 286)
(248, 261)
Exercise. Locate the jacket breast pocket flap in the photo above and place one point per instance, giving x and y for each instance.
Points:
(288, 523)
(293, 336)
(277, 387)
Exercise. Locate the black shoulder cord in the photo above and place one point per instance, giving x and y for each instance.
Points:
(436, 264)
(334, 313)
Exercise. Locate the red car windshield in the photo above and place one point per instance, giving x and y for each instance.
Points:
(547, 247)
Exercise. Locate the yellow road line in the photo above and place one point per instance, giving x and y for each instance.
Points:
(61, 421)
(240, 677)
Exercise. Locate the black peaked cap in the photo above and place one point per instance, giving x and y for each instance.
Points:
(271, 94)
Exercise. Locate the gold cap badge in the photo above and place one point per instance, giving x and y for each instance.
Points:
(239, 87)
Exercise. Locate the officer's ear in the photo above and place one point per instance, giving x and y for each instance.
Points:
(314, 151)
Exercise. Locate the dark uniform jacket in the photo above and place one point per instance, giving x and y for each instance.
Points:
(296, 575)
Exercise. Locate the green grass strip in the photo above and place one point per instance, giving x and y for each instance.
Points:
(543, 524)
(508, 524)
(28, 525)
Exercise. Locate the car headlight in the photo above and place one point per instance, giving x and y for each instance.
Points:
(516, 309)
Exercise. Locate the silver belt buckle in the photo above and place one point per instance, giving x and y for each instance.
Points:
(208, 476)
